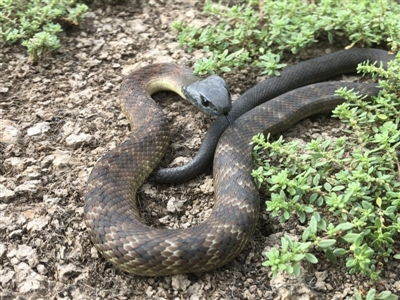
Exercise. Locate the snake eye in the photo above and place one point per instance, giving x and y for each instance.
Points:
(204, 101)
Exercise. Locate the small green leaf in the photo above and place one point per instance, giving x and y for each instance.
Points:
(313, 225)
(298, 257)
(304, 246)
(282, 267)
(326, 243)
(306, 234)
(302, 217)
(286, 215)
(345, 226)
(350, 263)
(378, 223)
(311, 258)
(327, 187)
(338, 188)
(308, 209)
(296, 270)
(330, 37)
(339, 251)
(316, 180)
(225, 69)
(289, 269)
(379, 201)
(284, 244)
(387, 295)
(382, 117)
(358, 240)
(330, 255)
(371, 295)
(350, 237)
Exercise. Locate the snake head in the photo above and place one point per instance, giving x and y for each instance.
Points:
(210, 95)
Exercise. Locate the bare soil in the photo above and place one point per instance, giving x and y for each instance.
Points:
(59, 116)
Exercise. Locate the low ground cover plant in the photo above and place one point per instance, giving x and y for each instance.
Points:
(258, 32)
(35, 24)
(344, 191)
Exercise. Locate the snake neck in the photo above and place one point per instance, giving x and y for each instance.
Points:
(159, 84)
(161, 77)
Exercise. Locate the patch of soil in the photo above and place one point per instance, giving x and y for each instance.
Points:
(60, 116)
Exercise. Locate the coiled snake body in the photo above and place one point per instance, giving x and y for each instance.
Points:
(111, 213)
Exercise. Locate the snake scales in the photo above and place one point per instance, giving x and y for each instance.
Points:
(111, 213)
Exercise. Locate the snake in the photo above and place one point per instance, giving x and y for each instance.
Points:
(111, 213)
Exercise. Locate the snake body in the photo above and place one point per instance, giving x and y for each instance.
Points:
(111, 213)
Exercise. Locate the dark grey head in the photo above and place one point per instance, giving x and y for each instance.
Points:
(210, 95)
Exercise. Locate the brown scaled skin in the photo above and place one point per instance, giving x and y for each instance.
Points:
(111, 212)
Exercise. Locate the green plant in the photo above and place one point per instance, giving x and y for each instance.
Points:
(371, 295)
(345, 191)
(259, 32)
(34, 23)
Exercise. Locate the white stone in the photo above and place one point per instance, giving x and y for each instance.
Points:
(30, 186)
(6, 194)
(9, 132)
(75, 140)
(38, 128)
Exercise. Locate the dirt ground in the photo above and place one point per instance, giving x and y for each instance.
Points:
(60, 116)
